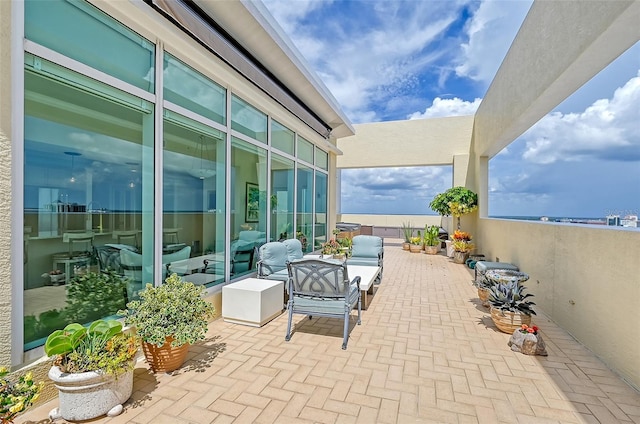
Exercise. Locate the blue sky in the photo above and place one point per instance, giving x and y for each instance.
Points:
(411, 59)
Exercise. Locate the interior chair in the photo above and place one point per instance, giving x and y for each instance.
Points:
(242, 260)
(126, 237)
(368, 251)
(321, 287)
(79, 253)
(131, 263)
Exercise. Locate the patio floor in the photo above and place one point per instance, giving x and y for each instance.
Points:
(426, 352)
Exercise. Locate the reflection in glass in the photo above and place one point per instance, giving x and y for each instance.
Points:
(84, 180)
(193, 200)
(305, 206)
(282, 138)
(321, 210)
(248, 204)
(281, 202)
(248, 120)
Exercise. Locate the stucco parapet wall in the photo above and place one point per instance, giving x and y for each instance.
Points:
(560, 46)
(415, 142)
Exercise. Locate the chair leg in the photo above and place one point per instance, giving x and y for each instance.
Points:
(359, 309)
(346, 330)
(287, 337)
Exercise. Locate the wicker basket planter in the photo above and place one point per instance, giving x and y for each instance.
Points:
(508, 322)
(406, 246)
(432, 250)
(483, 294)
(460, 257)
(415, 248)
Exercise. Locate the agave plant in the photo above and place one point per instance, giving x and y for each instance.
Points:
(510, 297)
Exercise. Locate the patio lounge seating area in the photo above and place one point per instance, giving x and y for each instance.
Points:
(426, 352)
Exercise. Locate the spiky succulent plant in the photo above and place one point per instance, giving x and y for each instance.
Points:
(510, 297)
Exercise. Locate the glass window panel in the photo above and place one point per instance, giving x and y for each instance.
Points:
(193, 200)
(82, 32)
(305, 150)
(321, 210)
(304, 208)
(88, 196)
(190, 89)
(282, 138)
(322, 159)
(248, 204)
(248, 120)
(282, 191)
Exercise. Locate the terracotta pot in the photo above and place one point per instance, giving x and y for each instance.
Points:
(165, 358)
(87, 395)
(508, 322)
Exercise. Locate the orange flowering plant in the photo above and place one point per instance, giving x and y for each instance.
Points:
(461, 236)
(526, 329)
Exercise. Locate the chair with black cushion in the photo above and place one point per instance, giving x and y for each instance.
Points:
(242, 260)
(321, 287)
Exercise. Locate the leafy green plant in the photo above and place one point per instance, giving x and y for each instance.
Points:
(510, 297)
(416, 240)
(100, 347)
(456, 201)
(463, 246)
(407, 231)
(16, 395)
(175, 309)
(431, 235)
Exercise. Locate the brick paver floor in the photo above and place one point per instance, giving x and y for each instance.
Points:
(426, 352)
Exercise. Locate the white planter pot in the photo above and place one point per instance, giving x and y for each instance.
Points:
(449, 246)
(88, 395)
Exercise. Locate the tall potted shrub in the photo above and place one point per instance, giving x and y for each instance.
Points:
(168, 319)
(92, 369)
(456, 201)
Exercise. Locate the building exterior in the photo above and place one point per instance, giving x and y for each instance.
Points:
(159, 126)
(137, 134)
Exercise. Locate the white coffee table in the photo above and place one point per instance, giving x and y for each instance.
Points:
(367, 276)
(252, 301)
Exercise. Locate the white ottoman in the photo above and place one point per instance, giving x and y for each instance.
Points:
(252, 301)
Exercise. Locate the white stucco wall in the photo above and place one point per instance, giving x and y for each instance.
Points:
(5, 183)
(406, 143)
(585, 278)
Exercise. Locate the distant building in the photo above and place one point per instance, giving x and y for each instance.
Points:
(613, 220)
(629, 221)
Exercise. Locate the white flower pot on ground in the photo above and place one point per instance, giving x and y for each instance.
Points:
(88, 395)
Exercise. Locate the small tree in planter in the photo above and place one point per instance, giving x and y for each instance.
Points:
(456, 201)
(168, 319)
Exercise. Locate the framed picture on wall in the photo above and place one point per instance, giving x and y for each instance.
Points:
(253, 203)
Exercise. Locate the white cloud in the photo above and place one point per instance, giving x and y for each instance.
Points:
(368, 60)
(447, 107)
(491, 31)
(608, 129)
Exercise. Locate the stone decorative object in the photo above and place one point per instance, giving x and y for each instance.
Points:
(88, 395)
(527, 340)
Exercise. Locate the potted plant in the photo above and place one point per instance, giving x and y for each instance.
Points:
(16, 395)
(509, 307)
(332, 249)
(462, 246)
(168, 319)
(431, 239)
(407, 233)
(456, 201)
(92, 369)
(416, 244)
